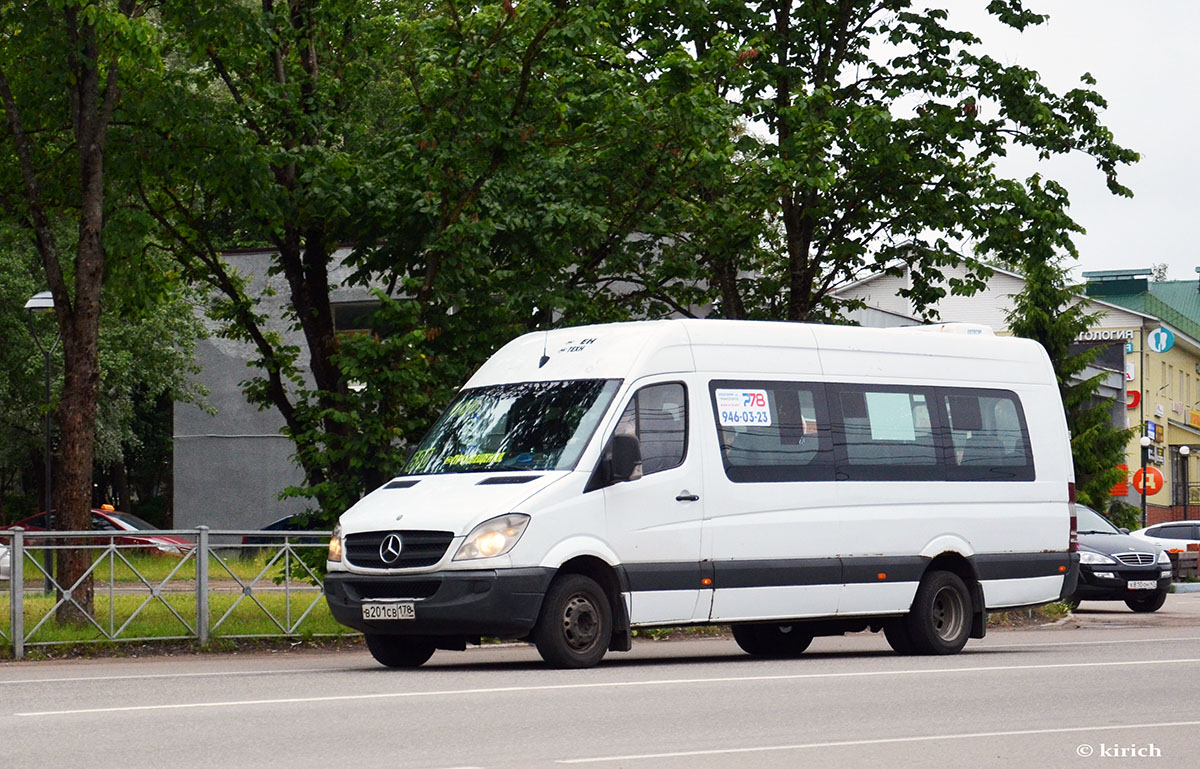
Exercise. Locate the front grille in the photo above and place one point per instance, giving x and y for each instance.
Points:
(418, 548)
(1136, 559)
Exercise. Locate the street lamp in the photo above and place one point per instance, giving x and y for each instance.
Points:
(1183, 469)
(1145, 441)
(39, 303)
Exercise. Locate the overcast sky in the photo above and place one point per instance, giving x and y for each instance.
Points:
(1145, 58)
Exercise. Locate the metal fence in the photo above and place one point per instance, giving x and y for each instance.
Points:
(213, 584)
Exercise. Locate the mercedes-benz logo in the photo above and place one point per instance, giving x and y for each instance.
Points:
(389, 548)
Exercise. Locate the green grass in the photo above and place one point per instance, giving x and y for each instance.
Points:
(155, 619)
(120, 567)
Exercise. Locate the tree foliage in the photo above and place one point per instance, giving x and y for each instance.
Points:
(64, 67)
(497, 168)
(883, 128)
(1049, 311)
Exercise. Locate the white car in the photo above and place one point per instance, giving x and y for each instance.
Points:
(1173, 535)
(5, 567)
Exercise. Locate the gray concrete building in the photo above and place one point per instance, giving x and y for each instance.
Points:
(231, 460)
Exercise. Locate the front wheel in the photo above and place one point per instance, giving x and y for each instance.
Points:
(1148, 604)
(772, 640)
(575, 626)
(940, 620)
(400, 651)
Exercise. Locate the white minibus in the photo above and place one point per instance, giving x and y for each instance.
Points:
(788, 480)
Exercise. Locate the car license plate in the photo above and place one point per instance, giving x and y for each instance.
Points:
(1142, 584)
(388, 610)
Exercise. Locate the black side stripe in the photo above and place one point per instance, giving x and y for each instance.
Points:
(647, 577)
(1020, 565)
(802, 572)
(777, 573)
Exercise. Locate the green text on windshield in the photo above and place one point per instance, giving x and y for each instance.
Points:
(525, 426)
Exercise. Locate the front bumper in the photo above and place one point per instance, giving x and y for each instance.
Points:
(1093, 587)
(494, 602)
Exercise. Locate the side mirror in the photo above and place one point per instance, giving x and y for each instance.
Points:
(626, 456)
(1123, 530)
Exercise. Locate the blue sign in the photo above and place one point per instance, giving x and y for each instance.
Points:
(1152, 431)
(1129, 351)
(1160, 339)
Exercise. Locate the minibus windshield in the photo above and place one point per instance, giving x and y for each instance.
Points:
(526, 426)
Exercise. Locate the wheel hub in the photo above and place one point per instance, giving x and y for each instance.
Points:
(948, 614)
(581, 622)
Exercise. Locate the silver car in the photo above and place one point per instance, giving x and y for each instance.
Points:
(5, 563)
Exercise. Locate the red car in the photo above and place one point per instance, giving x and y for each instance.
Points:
(106, 519)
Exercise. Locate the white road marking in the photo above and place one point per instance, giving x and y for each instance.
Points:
(601, 685)
(982, 647)
(880, 741)
(147, 676)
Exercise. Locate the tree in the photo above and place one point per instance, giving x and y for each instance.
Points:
(496, 159)
(1037, 234)
(59, 119)
(883, 128)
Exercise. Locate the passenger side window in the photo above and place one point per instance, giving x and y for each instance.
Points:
(988, 437)
(885, 433)
(657, 416)
(772, 431)
(1173, 532)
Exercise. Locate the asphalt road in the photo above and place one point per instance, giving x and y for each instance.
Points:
(1106, 688)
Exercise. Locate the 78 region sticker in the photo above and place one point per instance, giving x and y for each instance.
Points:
(740, 408)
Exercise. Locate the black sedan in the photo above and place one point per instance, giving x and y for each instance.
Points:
(1114, 566)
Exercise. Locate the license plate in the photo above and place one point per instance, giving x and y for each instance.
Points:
(388, 610)
(1142, 584)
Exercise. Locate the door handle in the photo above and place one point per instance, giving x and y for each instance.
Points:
(686, 496)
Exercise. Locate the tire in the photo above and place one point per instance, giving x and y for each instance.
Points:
(896, 634)
(778, 641)
(1071, 603)
(940, 619)
(400, 651)
(575, 626)
(1149, 604)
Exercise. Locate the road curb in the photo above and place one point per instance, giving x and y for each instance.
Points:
(1185, 587)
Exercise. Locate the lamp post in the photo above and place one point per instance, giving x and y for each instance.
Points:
(1145, 442)
(1184, 451)
(39, 303)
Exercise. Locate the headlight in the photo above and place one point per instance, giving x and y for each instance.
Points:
(492, 538)
(1163, 558)
(335, 544)
(1086, 556)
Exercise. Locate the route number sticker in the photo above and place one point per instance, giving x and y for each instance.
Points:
(743, 407)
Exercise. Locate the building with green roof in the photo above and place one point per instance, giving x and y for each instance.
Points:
(1163, 369)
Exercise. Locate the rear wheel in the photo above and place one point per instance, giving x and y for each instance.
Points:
(940, 620)
(772, 640)
(400, 651)
(575, 626)
(1148, 604)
